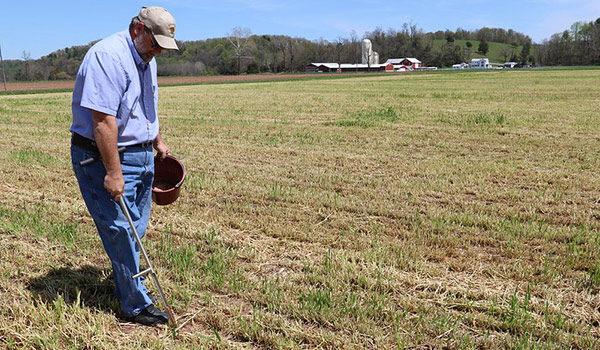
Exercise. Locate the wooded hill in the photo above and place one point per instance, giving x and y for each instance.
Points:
(241, 52)
(496, 52)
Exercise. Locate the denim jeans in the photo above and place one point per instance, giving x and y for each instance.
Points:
(137, 165)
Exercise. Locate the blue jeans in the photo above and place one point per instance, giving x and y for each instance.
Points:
(137, 165)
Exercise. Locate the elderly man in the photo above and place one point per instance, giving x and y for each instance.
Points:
(114, 107)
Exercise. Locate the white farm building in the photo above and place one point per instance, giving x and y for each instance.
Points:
(480, 63)
(460, 66)
(346, 67)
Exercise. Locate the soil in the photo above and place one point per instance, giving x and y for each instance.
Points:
(162, 186)
(68, 84)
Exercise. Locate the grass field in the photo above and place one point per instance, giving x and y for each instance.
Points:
(416, 211)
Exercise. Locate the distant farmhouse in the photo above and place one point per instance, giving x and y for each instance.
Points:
(480, 63)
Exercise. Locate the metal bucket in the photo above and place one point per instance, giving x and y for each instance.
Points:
(168, 178)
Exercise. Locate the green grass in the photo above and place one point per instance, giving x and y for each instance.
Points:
(27, 157)
(368, 118)
(428, 210)
(34, 92)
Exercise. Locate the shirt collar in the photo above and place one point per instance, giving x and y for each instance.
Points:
(136, 56)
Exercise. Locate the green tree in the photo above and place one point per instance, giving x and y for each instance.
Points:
(448, 55)
(524, 56)
(484, 47)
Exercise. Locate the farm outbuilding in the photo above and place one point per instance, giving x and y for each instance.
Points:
(402, 68)
(321, 67)
(411, 63)
(460, 66)
(346, 67)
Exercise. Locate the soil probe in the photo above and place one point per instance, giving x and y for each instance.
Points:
(150, 270)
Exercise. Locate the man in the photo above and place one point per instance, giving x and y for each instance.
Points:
(115, 105)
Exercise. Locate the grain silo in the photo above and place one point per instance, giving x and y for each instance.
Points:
(369, 56)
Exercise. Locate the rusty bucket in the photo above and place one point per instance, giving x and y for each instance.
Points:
(168, 178)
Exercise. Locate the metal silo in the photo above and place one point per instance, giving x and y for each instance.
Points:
(367, 51)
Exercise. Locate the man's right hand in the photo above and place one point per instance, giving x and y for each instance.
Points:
(115, 185)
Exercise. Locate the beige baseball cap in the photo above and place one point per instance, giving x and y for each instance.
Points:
(162, 24)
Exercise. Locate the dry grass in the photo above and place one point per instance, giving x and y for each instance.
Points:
(455, 210)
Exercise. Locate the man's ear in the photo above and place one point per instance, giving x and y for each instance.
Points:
(138, 29)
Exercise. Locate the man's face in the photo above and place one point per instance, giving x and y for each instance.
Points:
(145, 43)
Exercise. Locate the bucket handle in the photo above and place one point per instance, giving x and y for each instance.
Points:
(180, 160)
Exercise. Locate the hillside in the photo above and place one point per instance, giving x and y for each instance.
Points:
(498, 52)
(280, 53)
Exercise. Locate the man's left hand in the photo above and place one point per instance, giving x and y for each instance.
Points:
(161, 148)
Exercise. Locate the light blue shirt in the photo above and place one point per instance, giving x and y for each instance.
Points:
(113, 79)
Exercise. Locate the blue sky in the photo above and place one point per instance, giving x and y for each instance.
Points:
(41, 27)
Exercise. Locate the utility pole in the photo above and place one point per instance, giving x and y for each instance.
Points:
(3, 69)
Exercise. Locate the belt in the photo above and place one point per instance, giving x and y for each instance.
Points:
(91, 145)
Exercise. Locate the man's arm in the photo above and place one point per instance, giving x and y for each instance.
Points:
(106, 134)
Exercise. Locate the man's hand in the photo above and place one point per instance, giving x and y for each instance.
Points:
(114, 184)
(161, 147)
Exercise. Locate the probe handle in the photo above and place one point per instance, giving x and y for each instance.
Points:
(94, 159)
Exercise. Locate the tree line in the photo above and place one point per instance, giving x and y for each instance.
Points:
(580, 45)
(242, 52)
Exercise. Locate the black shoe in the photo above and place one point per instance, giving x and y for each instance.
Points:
(150, 316)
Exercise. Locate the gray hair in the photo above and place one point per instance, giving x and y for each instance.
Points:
(134, 22)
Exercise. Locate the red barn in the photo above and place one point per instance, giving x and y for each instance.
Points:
(410, 63)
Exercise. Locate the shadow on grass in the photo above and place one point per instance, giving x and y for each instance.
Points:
(94, 286)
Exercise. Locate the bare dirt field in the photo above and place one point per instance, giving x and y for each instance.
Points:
(68, 84)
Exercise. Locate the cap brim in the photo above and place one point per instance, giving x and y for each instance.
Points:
(166, 42)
